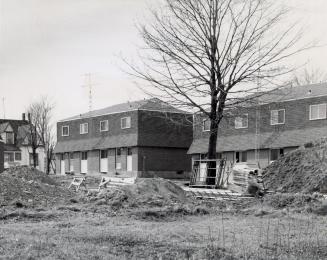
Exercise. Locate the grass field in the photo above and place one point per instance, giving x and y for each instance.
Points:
(67, 234)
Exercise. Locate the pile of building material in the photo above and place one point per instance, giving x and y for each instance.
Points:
(303, 170)
(147, 191)
(24, 186)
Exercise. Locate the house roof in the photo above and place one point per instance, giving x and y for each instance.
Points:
(146, 104)
(13, 123)
(3, 127)
(96, 143)
(291, 138)
(10, 148)
(289, 93)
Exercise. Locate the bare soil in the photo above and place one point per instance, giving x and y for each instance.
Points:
(154, 219)
(303, 170)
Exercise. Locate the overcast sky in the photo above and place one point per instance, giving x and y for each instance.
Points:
(47, 45)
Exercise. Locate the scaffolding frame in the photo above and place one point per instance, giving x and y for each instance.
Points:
(200, 169)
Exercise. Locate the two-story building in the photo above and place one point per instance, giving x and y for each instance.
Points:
(17, 148)
(269, 127)
(1, 155)
(141, 138)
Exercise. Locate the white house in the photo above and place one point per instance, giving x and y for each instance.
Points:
(17, 148)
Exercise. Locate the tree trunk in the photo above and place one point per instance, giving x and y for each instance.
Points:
(217, 115)
(34, 157)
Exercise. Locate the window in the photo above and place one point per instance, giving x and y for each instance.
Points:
(241, 121)
(32, 159)
(126, 122)
(206, 125)
(71, 156)
(83, 128)
(18, 156)
(84, 156)
(318, 111)
(104, 125)
(241, 157)
(9, 138)
(277, 117)
(275, 154)
(118, 159)
(65, 131)
(129, 151)
(103, 154)
(8, 157)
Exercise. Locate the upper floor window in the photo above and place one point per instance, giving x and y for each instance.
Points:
(126, 122)
(277, 117)
(65, 131)
(9, 138)
(104, 125)
(83, 128)
(206, 125)
(241, 121)
(318, 111)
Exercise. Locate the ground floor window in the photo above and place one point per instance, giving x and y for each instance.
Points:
(275, 154)
(18, 156)
(9, 157)
(104, 154)
(118, 158)
(32, 159)
(241, 156)
(84, 156)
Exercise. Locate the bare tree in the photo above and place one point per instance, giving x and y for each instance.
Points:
(41, 130)
(206, 55)
(309, 76)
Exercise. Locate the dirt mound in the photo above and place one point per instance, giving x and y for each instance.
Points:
(30, 174)
(303, 170)
(151, 192)
(20, 192)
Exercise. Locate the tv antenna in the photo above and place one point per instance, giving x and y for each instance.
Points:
(89, 85)
(4, 108)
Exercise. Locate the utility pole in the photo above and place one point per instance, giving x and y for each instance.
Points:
(89, 85)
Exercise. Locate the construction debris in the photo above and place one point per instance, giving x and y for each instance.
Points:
(30, 174)
(303, 170)
(27, 187)
(154, 191)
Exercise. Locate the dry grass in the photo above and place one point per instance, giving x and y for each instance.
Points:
(84, 235)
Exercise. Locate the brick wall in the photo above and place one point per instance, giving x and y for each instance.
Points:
(76, 162)
(94, 126)
(163, 159)
(164, 129)
(1, 157)
(93, 162)
(296, 117)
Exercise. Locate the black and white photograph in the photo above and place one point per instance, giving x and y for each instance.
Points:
(163, 129)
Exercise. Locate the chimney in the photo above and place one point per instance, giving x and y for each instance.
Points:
(29, 117)
(23, 117)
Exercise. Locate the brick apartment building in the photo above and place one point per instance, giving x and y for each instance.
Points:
(141, 138)
(16, 145)
(282, 121)
(1, 155)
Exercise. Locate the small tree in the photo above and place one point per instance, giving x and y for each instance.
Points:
(309, 76)
(41, 130)
(204, 55)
